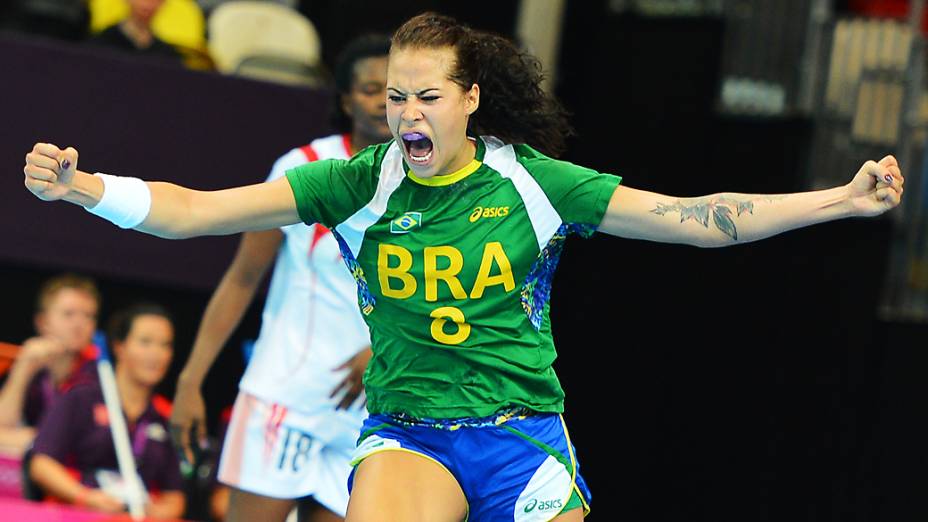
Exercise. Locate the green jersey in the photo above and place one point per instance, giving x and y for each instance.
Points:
(454, 272)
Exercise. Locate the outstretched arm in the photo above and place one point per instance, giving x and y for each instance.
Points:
(727, 219)
(175, 212)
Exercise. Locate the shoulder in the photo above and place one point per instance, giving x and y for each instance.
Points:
(291, 159)
(112, 32)
(366, 161)
(162, 406)
(163, 48)
(509, 157)
(336, 146)
(533, 159)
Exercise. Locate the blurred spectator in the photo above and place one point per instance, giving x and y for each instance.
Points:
(134, 33)
(76, 431)
(179, 23)
(65, 19)
(53, 362)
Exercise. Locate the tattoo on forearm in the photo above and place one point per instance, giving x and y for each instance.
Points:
(721, 209)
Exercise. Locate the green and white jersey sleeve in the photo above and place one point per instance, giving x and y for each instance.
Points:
(577, 194)
(454, 272)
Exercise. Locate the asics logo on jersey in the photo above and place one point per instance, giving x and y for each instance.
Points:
(405, 223)
(544, 505)
(488, 212)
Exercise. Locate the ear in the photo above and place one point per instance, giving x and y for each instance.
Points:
(345, 101)
(38, 321)
(472, 99)
(118, 348)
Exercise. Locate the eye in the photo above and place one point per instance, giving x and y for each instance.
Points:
(429, 99)
(396, 99)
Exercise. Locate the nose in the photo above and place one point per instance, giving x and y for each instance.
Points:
(411, 112)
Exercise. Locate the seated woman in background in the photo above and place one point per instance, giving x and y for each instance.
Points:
(76, 431)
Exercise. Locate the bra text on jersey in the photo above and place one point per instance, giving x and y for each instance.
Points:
(393, 267)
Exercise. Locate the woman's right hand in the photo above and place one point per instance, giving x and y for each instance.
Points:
(188, 413)
(50, 171)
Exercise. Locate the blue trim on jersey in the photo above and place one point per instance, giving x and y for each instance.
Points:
(497, 419)
(366, 300)
(536, 290)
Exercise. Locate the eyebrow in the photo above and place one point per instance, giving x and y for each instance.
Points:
(420, 93)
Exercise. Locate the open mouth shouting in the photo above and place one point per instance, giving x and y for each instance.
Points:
(418, 148)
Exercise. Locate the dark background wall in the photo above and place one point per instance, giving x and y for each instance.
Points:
(750, 383)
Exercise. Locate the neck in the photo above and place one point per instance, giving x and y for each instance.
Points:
(360, 141)
(465, 156)
(133, 395)
(138, 31)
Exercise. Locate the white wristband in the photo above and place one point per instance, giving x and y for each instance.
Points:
(125, 202)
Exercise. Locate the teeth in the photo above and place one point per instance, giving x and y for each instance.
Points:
(413, 136)
(421, 159)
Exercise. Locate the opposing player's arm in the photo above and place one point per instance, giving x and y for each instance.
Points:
(256, 253)
(726, 219)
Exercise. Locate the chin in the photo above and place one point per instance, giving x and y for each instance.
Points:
(152, 379)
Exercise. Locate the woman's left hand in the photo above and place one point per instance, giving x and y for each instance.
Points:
(877, 187)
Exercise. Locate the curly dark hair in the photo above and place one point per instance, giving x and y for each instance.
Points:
(370, 45)
(513, 106)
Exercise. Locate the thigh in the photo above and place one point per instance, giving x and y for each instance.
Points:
(402, 486)
(248, 507)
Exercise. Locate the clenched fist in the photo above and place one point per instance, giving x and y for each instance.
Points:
(50, 171)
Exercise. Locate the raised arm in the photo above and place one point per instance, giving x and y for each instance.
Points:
(727, 219)
(175, 212)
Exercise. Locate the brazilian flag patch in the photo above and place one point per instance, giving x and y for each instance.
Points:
(405, 223)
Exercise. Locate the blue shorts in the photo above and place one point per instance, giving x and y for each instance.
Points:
(517, 466)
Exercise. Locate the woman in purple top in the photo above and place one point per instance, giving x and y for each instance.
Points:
(75, 433)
